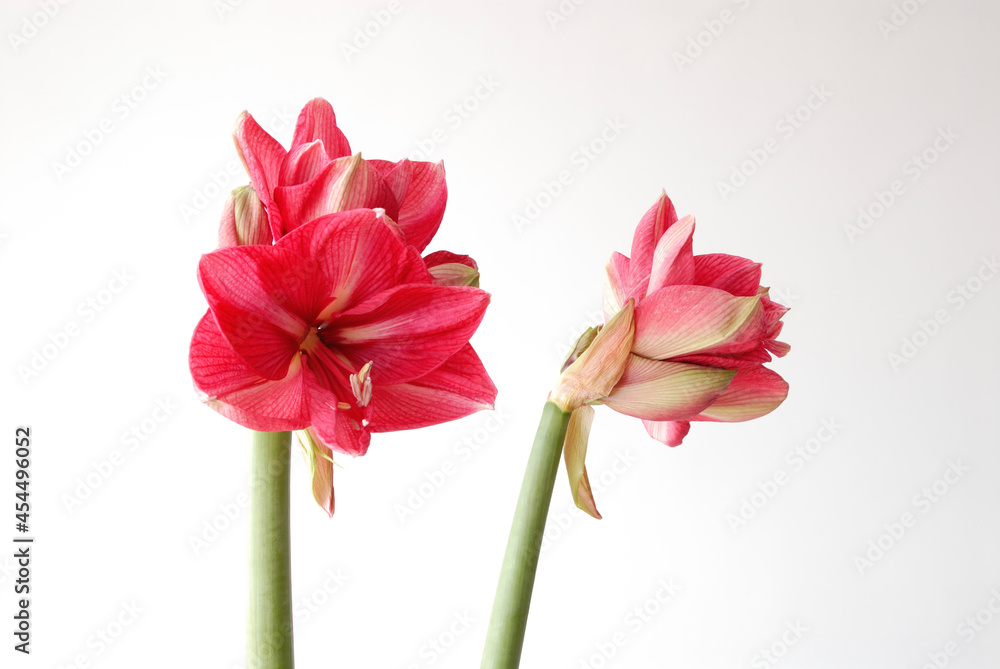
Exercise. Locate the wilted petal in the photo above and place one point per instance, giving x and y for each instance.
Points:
(575, 455)
(671, 433)
(682, 320)
(262, 156)
(733, 274)
(673, 260)
(647, 235)
(753, 393)
(459, 387)
(616, 276)
(409, 330)
(344, 184)
(239, 393)
(318, 122)
(666, 391)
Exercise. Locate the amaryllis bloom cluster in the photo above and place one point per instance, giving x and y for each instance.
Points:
(686, 339)
(323, 317)
(704, 327)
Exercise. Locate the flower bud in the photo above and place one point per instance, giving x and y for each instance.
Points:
(244, 220)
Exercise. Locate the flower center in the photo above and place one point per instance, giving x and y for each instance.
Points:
(311, 341)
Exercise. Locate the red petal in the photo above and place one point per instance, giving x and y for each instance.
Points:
(318, 122)
(262, 156)
(333, 427)
(457, 388)
(344, 184)
(671, 433)
(673, 261)
(647, 234)
(239, 393)
(422, 194)
(753, 393)
(255, 307)
(409, 330)
(447, 258)
(733, 274)
(304, 162)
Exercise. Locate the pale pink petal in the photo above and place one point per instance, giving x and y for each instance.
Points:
(666, 391)
(318, 122)
(321, 464)
(647, 235)
(683, 320)
(237, 392)
(244, 220)
(575, 455)
(733, 274)
(616, 276)
(671, 433)
(409, 330)
(262, 156)
(753, 393)
(344, 184)
(451, 269)
(673, 260)
(459, 387)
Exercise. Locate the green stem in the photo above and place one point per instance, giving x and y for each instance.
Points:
(269, 622)
(517, 576)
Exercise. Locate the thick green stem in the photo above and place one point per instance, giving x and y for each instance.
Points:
(517, 576)
(269, 621)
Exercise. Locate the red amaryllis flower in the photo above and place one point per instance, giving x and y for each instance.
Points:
(318, 175)
(338, 327)
(704, 327)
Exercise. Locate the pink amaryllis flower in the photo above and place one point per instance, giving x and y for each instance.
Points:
(337, 327)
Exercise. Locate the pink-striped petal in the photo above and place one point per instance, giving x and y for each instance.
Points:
(647, 235)
(616, 276)
(666, 391)
(304, 163)
(451, 269)
(753, 393)
(671, 433)
(255, 308)
(682, 320)
(332, 425)
(407, 331)
(262, 156)
(239, 393)
(244, 220)
(733, 274)
(673, 260)
(459, 387)
(318, 122)
(344, 184)
(422, 193)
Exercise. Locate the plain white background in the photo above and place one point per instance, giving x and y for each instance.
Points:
(666, 95)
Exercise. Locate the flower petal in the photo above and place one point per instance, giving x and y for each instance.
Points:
(753, 393)
(575, 455)
(616, 276)
(318, 122)
(733, 274)
(332, 426)
(457, 388)
(666, 391)
(253, 305)
(262, 156)
(345, 183)
(673, 261)
(244, 220)
(451, 269)
(321, 465)
(409, 330)
(681, 320)
(671, 433)
(304, 162)
(653, 225)
(239, 393)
